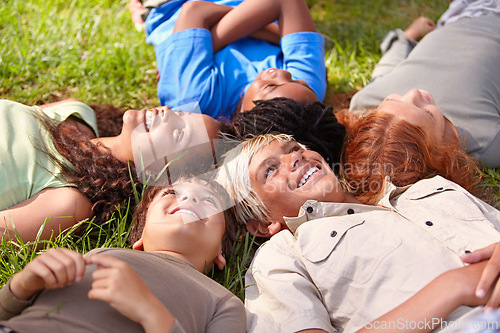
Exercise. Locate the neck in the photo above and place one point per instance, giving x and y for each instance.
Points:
(114, 144)
(350, 199)
(199, 263)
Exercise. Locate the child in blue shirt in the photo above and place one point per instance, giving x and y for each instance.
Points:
(225, 54)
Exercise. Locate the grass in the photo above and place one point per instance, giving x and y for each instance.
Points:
(90, 50)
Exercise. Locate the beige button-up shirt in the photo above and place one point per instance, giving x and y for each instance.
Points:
(345, 265)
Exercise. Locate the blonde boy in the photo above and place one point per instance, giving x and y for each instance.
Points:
(333, 264)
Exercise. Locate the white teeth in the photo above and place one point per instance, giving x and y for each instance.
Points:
(148, 120)
(191, 216)
(307, 175)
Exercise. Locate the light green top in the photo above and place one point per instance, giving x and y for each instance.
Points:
(24, 169)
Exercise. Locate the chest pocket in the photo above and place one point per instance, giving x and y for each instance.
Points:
(444, 197)
(350, 248)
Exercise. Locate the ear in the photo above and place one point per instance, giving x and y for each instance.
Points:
(220, 261)
(138, 245)
(263, 229)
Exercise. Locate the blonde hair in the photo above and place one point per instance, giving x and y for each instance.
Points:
(235, 178)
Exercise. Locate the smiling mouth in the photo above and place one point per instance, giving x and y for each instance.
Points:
(148, 120)
(191, 214)
(307, 175)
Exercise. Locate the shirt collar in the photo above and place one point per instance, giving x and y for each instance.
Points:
(313, 210)
(390, 192)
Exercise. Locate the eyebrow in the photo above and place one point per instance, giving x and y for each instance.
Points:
(273, 88)
(273, 157)
(262, 164)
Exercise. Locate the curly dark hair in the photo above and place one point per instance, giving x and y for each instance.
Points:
(140, 213)
(310, 123)
(109, 119)
(103, 179)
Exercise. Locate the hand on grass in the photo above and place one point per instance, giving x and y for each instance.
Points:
(489, 277)
(116, 283)
(53, 269)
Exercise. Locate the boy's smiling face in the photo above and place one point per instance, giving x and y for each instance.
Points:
(186, 218)
(286, 176)
(274, 82)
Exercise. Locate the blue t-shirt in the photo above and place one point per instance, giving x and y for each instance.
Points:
(191, 72)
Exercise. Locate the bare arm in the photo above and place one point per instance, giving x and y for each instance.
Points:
(251, 18)
(200, 14)
(436, 300)
(205, 15)
(252, 15)
(66, 204)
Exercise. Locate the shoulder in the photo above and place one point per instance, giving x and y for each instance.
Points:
(281, 245)
(72, 200)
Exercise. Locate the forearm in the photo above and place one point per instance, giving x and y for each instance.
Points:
(270, 33)
(431, 304)
(18, 290)
(200, 14)
(252, 15)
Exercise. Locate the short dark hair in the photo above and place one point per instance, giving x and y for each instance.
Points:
(139, 216)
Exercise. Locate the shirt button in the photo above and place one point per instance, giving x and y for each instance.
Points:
(309, 210)
(333, 233)
(429, 223)
(350, 211)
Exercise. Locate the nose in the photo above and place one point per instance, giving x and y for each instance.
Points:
(189, 196)
(414, 96)
(277, 74)
(292, 160)
(171, 116)
(283, 75)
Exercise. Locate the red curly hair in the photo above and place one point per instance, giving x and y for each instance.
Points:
(381, 145)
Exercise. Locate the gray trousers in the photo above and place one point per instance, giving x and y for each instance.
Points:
(459, 64)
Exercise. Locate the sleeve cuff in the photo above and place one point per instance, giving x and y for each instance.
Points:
(302, 37)
(10, 305)
(393, 36)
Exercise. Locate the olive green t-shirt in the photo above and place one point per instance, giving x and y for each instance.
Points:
(25, 169)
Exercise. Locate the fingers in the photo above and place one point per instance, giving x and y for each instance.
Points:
(419, 28)
(494, 300)
(103, 260)
(59, 267)
(479, 255)
(110, 270)
(489, 276)
(55, 268)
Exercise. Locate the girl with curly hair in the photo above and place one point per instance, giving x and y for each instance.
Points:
(56, 171)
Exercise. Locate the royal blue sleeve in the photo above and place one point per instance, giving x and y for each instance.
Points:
(187, 72)
(304, 58)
